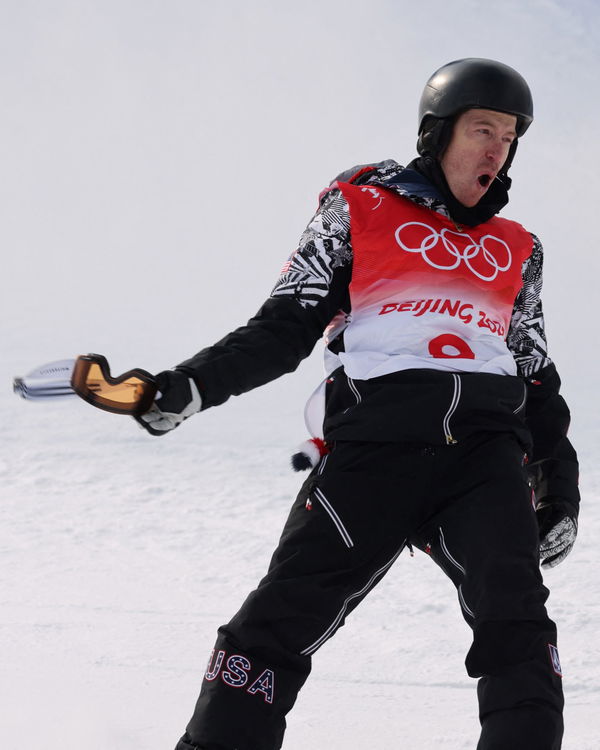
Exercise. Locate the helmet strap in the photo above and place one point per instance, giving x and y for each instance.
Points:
(509, 159)
(435, 135)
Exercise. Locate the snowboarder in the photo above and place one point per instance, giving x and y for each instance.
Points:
(441, 424)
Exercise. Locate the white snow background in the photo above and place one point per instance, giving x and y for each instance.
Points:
(159, 161)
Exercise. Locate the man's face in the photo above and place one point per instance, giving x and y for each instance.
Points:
(480, 143)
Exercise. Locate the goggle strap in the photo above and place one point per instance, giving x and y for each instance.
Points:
(52, 380)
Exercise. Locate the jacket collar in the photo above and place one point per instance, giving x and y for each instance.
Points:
(423, 182)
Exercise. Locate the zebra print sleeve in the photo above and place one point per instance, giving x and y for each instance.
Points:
(309, 273)
(526, 336)
(310, 291)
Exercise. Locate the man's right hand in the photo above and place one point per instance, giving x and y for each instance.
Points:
(177, 399)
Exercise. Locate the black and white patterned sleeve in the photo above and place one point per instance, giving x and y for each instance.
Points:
(526, 336)
(311, 290)
(319, 268)
(553, 466)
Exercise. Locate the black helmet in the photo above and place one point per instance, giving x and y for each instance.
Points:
(466, 84)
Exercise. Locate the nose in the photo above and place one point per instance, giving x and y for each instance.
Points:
(497, 151)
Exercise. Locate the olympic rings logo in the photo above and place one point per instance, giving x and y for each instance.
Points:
(447, 249)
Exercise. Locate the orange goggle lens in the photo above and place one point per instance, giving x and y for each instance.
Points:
(131, 393)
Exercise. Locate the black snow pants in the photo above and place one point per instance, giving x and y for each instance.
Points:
(469, 507)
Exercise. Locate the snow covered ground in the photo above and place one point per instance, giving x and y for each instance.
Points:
(161, 161)
(122, 554)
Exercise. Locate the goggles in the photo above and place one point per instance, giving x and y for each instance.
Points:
(130, 393)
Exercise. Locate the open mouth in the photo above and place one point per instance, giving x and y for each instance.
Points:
(484, 180)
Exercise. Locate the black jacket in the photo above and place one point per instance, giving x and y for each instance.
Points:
(413, 405)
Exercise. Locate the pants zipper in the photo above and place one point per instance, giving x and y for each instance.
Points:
(450, 440)
(329, 509)
(354, 389)
(522, 404)
(447, 554)
(460, 568)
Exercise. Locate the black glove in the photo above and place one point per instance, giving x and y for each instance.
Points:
(177, 399)
(557, 521)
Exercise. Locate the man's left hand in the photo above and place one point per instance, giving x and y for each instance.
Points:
(558, 530)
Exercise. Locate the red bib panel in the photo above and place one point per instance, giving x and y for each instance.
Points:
(426, 293)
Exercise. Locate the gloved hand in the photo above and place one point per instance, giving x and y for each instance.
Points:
(177, 399)
(557, 521)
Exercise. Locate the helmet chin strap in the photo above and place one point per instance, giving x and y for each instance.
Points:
(509, 159)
